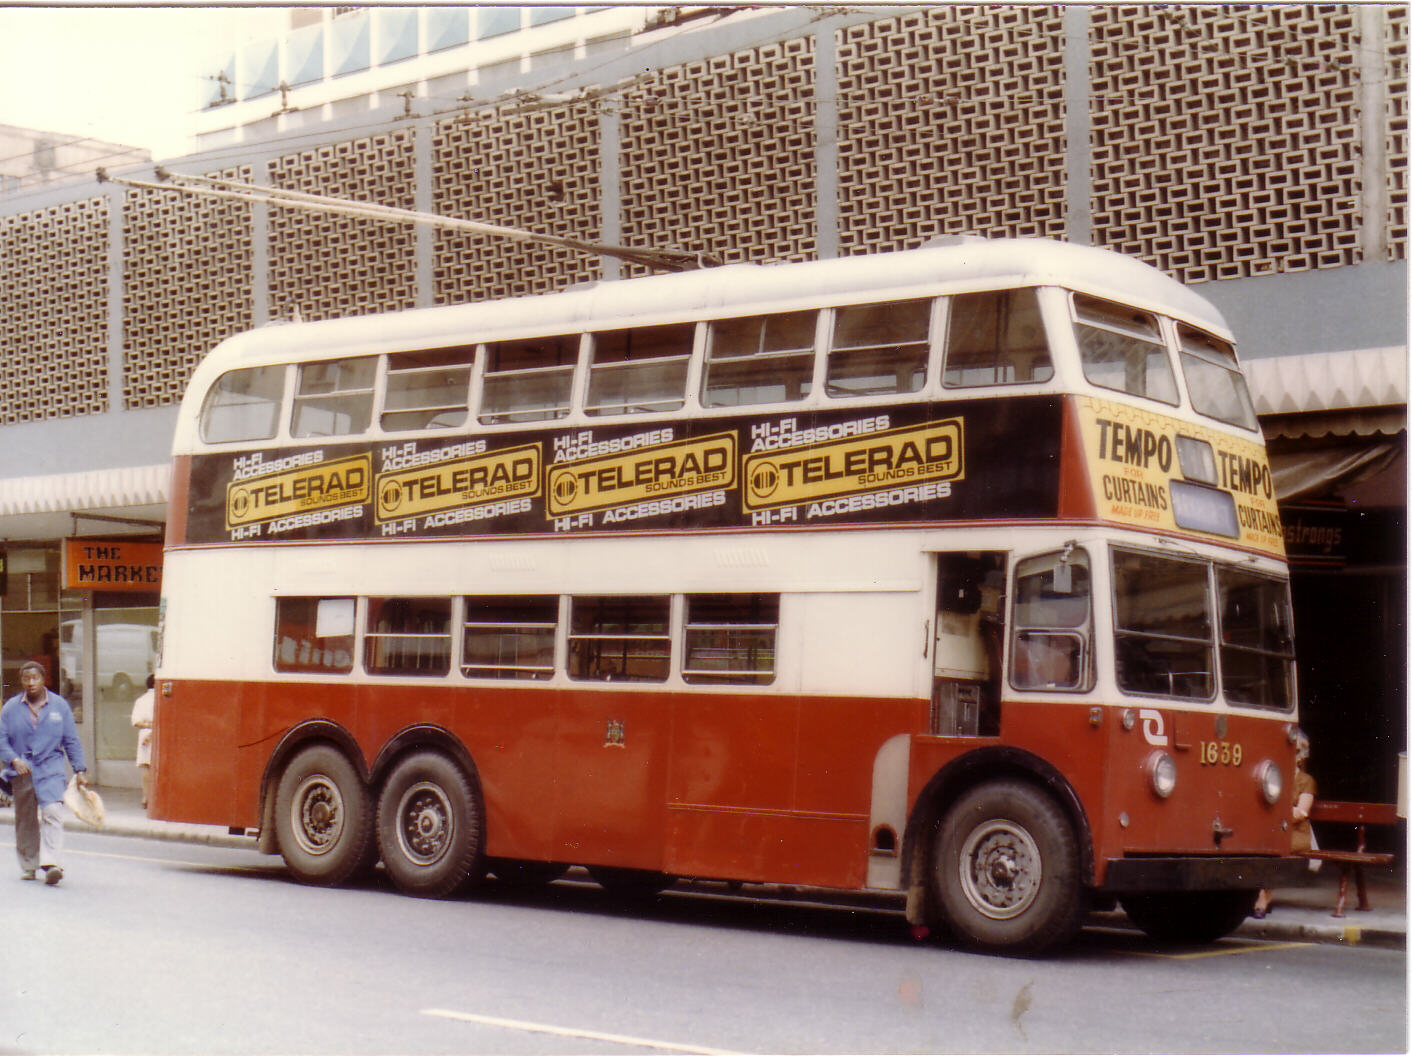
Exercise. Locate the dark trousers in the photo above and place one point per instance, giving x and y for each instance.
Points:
(26, 821)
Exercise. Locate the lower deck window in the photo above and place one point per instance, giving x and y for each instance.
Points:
(314, 635)
(730, 639)
(1162, 612)
(509, 637)
(620, 639)
(408, 636)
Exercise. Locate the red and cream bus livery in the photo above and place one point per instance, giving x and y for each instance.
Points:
(955, 573)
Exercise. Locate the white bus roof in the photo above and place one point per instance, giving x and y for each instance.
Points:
(951, 264)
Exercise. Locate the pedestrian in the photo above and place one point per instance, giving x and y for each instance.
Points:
(143, 715)
(37, 732)
(1300, 832)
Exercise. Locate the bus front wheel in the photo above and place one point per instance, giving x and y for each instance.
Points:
(1189, 916)
(1006, 869)
(324, 817)
(430, 826)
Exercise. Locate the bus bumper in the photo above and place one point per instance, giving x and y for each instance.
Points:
(1142, 875)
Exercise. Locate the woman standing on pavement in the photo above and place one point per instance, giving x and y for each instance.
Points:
(1300, 833)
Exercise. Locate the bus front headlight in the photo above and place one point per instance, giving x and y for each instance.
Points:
(1162, 772)
(1272, 782)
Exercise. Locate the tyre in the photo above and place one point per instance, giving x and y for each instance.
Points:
(324, 817)
(1189, 916)
(430, 826)
(1005, 869)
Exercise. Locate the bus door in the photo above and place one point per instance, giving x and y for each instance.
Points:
(969, 624)
(613, 732)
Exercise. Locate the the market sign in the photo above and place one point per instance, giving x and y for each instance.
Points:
(112, 565)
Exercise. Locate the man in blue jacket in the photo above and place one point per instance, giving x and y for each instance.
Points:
(37, 732)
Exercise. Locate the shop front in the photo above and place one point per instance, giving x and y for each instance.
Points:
(80, 589)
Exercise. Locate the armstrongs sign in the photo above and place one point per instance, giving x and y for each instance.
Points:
(112, 565)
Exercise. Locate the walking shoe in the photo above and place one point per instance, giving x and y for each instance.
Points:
(27, 874)
(53, 875)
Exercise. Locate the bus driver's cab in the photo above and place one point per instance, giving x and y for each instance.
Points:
(966, 650)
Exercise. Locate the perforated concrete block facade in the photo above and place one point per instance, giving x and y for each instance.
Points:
(951, 121)
(537, 170)
(1227, 139)
(186, 286)
(718, 156)
(324, 266)
(1395, 67)
(54, 312)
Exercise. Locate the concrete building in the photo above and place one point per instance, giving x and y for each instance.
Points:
(1257, 153)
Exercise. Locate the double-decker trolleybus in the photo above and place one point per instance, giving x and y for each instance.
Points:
(954, 572)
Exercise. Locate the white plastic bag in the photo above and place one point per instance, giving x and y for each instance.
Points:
(86, 804)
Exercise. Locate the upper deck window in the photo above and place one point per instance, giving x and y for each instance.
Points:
(761, 359)
(639, 371)
(996, 338)
(1213, 378)
(528, 381)
(334, 398)
(243, 405)
(879, 349)
(1122, 348)
(427, 390)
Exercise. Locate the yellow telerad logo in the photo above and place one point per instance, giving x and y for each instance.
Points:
(513, 473)
(878, 460)
(702, 464)
(315, 487)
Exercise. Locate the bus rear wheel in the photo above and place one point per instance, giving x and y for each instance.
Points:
(1005, 869)
(1189, 916)
(324, 817)
(429, 826)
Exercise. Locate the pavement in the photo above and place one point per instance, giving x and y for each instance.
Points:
(1302, 913)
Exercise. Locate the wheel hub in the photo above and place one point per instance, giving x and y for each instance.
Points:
(1000, 869)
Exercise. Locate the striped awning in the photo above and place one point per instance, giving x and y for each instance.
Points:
(1360, 392)
(53, 506)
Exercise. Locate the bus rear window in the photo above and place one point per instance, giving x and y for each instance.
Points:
(243, 405)
(760, 359)
(996, 338)
(879, 349)
(1213, 378)
(1122, 349)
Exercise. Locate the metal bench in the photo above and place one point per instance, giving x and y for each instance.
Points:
(1359, 815)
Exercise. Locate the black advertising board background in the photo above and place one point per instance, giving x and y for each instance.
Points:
(859, 466)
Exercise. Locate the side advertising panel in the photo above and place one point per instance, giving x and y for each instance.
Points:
(978, 460)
